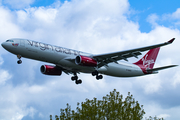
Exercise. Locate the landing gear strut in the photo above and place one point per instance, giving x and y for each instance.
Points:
(19, 61)
(96, 73)
(75, 77)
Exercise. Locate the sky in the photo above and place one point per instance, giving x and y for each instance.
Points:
(93, 26)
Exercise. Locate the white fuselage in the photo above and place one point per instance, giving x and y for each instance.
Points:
(65, 58)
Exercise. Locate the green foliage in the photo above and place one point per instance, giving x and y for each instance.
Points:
(111, 107)
(50, 117)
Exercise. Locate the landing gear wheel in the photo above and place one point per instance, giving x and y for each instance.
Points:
(74, 78)
(78, 81)
(99, 77)
(19, 61)
(95, 73)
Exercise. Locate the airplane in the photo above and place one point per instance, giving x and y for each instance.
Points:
(73, 62)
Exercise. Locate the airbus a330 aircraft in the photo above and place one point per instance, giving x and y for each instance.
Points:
(72, 62)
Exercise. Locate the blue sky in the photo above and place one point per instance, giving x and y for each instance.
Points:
(144, 8)
(94, 26)
(38, 3)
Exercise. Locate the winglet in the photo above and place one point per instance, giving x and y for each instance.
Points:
(171, 41)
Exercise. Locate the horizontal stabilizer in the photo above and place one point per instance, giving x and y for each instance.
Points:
(161, 68)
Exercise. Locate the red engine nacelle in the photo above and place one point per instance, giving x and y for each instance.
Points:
(50, 70)
(85, 61)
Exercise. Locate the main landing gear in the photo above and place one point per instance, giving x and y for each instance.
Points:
(19, 61)
(75, 77)
(96, 73)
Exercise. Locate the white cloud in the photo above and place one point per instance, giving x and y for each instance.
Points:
(169, 19)
(40, 15)
(156, 110)
(150, 84)
(91, 26)
(1, 61)
(174, 15)
(163, 116)
(31, 111)
(46, 15)
(153, 20)
(176, 79)
(4, 76)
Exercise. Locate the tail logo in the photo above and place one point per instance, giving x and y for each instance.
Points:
(146, 62)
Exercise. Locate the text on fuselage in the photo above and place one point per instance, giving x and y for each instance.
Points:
(43, 47)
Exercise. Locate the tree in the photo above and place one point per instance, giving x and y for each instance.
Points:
(111, 107)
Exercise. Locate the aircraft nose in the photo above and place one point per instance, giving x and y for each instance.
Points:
(4, 45)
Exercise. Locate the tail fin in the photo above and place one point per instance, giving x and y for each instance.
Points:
(149, 59)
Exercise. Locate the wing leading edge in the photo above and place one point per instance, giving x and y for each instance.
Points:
(104, 59)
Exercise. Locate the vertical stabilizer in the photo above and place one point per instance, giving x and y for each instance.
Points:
(148, 61)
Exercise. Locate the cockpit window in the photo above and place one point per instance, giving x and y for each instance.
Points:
(9, 41)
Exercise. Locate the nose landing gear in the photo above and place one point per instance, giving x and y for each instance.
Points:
(19, 61)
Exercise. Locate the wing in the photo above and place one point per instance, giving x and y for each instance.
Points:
(67, 71)
(104, 59)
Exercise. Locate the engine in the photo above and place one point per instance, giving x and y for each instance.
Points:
(50, 70)
(85, 61)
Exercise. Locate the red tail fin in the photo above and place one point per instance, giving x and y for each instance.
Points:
(148, 61)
